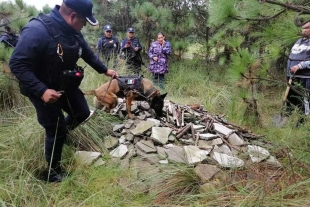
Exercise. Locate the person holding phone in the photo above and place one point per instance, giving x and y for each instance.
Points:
(131, 48)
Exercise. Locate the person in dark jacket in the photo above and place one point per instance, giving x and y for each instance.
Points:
(8, 37)
(109, 46)
(131, 48)
(44, 62)
(298, 68)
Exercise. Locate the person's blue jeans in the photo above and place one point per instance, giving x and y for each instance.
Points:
(56, 125)
(159, 80)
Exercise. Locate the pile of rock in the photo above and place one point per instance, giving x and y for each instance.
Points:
(187, 134)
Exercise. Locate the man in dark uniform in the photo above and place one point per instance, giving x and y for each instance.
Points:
(109, 46)
(131, 48)
(44, 62)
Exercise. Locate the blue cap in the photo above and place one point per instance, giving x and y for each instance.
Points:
(130, 29)
(82, 7)
(107, 27)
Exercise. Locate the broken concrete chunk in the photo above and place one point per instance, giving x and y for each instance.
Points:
(129, 124)
(257, 153)
(142, 127)
(120, 151)
(86, 158)
(204, 144)
(110, 142)
(188, 141)
(226, 160)
(222, 129)
(160, 134)
(99, 162)
(129, 137)
(272, 161)
(118, 127)
(163, 161)
(234, 139)
(176, 154)
(208, 136)
(206, 172)
(224, 149)
(156, 121)
(194, 155)
(161, 152)
(196, 127)
(213, 142)
(146, 146)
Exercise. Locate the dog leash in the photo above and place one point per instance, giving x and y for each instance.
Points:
(112, 77)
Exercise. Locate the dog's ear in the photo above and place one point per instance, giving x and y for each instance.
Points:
(163, 96)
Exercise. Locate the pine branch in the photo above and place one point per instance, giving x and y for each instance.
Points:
(297, 8)
(260, 19)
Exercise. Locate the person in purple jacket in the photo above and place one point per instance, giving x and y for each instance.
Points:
(158, 54)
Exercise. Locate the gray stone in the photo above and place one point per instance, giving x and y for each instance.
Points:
(273, 162)
(118, 127)
(196, 127)
(120, 151)
(142, 117)
(194, 155)
(110, 142)
(160, 134)
(257, 153)
(161, 152)
(206, 172)
(204, 144)
(224, 149)
(99, 162)
(234, 139)
(172, 137)
(142, 127)
(222, 129)
(156, 121)
(122, 139)
(129, 137)
(208, 136)
(188, 141)
(86, 158)
(129, 124)
(176, 154)
(146, 146)
(216, 141)
(145, 105)
(163, 161)
(226, 160)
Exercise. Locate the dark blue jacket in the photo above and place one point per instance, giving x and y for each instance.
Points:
(130, 53)
(108, 50)
(35, 61)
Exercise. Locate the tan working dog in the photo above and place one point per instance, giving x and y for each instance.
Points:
(106, 95)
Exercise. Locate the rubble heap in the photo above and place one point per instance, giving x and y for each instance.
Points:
(187, 134)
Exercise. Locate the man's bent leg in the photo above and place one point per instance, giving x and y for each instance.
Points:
(75, 105)
(51, 118)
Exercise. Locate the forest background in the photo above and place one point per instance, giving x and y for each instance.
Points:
(229, 56)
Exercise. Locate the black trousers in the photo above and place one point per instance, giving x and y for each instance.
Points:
(297, 100)
(56, 125)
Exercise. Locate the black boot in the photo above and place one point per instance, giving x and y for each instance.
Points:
(54, 175)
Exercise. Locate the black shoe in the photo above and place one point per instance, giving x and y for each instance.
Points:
(53, 176)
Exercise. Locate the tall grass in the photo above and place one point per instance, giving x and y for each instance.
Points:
(188, 81)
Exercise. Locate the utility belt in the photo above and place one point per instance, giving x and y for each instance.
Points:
(72, 78)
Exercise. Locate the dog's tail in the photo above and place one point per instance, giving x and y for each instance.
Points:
(91, 92)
